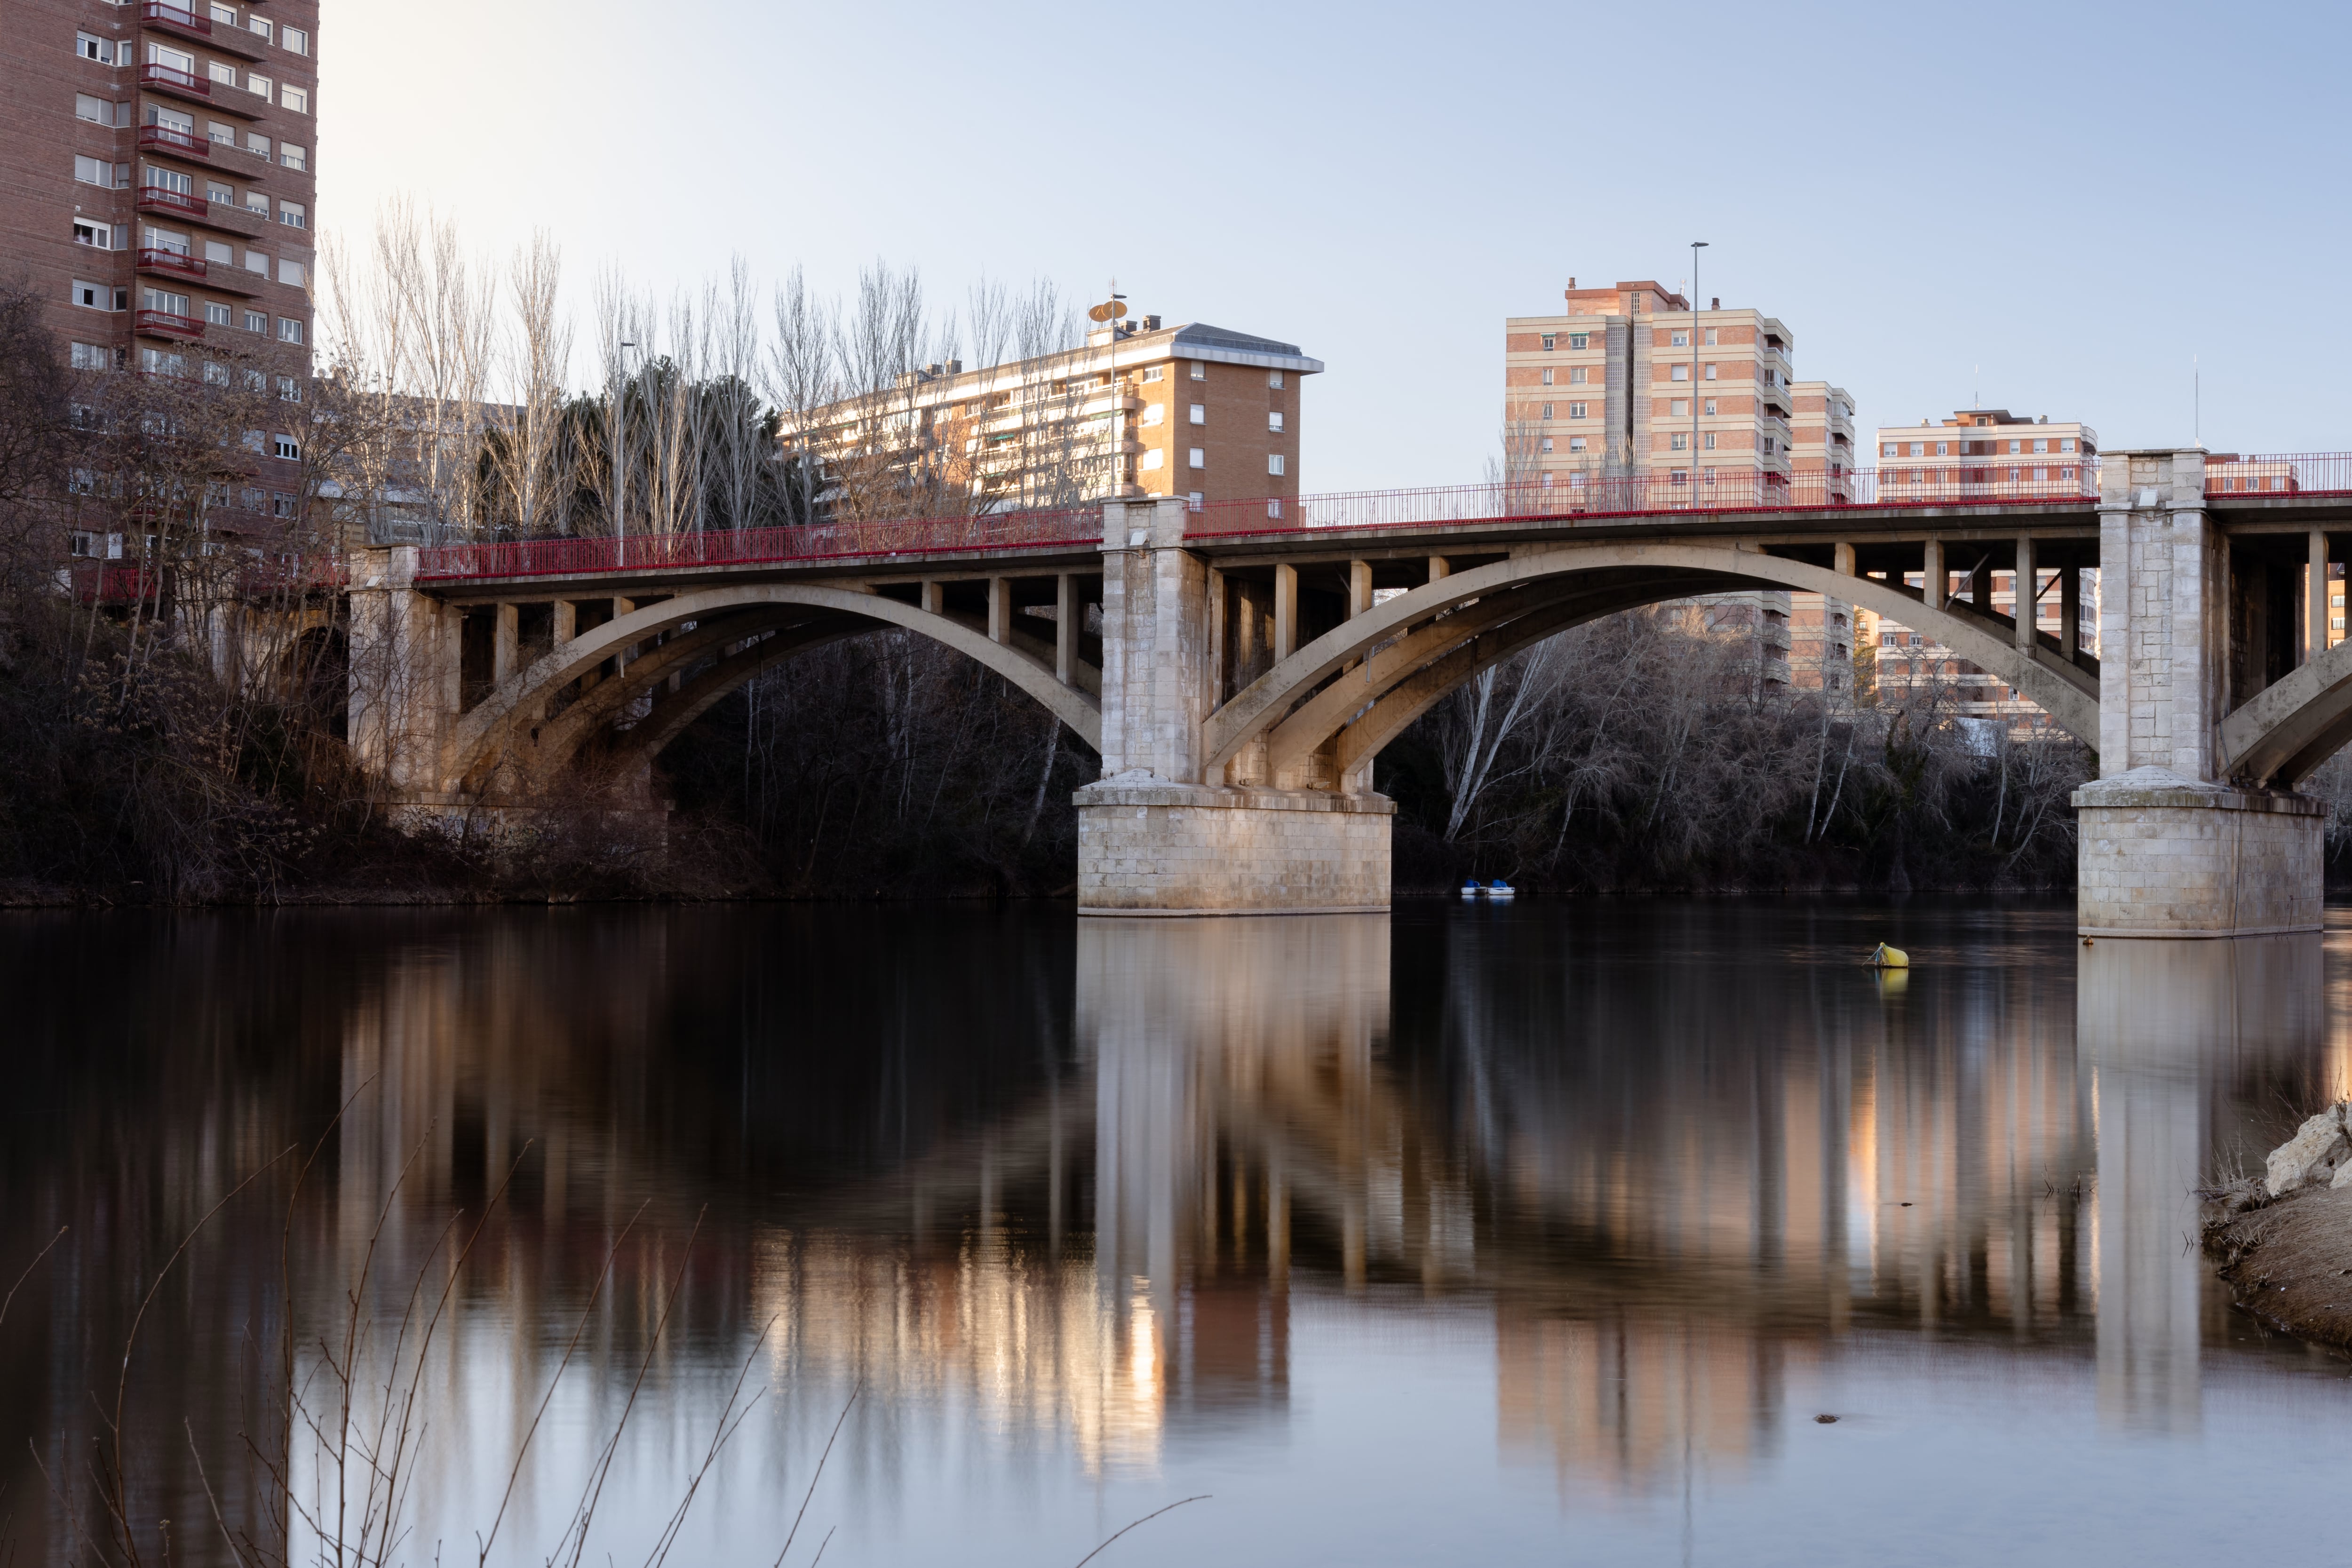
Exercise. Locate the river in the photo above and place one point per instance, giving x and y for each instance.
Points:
(1624, 1232)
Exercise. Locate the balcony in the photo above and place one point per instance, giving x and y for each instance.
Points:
(172, 264)
(177, 204)
(167, 324)
(236, 281)
(179, 143)
(176, 20)
(175, 82)
(236, 219)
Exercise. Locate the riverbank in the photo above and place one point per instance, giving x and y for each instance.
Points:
(2282, 1241)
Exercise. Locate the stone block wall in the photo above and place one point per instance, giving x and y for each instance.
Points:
(1151, 848)
(2161, 857)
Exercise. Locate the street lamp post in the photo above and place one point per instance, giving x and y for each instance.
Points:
(1697, 246)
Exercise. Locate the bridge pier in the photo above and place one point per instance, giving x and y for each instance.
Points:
(1155, 837)
(2168, 846)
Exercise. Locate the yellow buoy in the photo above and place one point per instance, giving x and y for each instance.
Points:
(1889, 957)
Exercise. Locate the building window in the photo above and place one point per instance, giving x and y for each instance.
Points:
(260, 26)
(292, 271)
(2017, 446)
(1154, 414)
(1273, 463)
(217, 314)
(281, 504)
(1550, 341)
(1200, 414)
(1578, 339)
(289, 330)
(1576, 443)
(1576, 411)
(1711, 336)
(287, 448)
(1886, 448)
(1273, 379)
(1153, 459)
(1547, 375)
(254, 321)
(1679, 408)
(255, 261)
(1200, 459)
(1547, 410)
(216, 374)
(1273, 421)
(262, 86)
(1545, 445)
(96, 111)
(1709, 407)
(297, 99)
(155, 361)
(293, 214)
(171, 179)
(1577, 374)
(1200, 370)
(1710, 440)
(1710, 373)
(222, 72)
(293, 157)
(215, 251)
(1680, 373)
(97, 172)
(293, 40)
(1919, 449)
(1680, 475)
(101, 296)
(90, 356)
(1192, 501)
(1679, 441)
(2041, 443)
(1680, 340)
(106, 52)
(2066, 444)
(96, 234)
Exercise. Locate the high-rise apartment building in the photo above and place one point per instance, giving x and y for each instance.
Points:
(1631, 394)
(158, 186)
(1140, 409)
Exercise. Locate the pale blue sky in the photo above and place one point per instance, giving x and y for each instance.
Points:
(2076, 198)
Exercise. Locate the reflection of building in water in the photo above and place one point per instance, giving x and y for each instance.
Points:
(1627, 1398)
(2159, 1024)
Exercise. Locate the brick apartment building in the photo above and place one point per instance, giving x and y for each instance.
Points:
(1983, 451)
(158, 186)
(1140, 409)
(1630, 381)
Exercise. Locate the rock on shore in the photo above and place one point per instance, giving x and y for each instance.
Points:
(2284, 1244)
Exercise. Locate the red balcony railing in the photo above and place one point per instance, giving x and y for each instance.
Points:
(167, 324)
(1071, 528)
(179, 204)
(172, 264)
(180, 143)
(1578, 497)
(156, 14)
(171, 79)
(2278, 473)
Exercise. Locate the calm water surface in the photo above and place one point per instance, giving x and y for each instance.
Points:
(1534, 1234)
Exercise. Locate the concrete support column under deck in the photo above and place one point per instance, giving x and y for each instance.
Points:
(2315, 596)
(2167, 847)
(1155, 838)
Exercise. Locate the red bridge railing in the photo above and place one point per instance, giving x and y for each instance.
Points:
(1066, 528)
(2278, 473)
(2045, 482)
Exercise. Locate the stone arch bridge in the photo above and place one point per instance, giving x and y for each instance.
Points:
(1238, 669)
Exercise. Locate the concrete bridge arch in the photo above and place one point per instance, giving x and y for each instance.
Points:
(1399, 658)
(655, 667)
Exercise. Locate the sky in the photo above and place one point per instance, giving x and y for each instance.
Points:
(2124, 214)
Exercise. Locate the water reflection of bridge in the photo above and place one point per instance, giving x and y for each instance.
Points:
(1668, 1185)
(1079, 1191)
